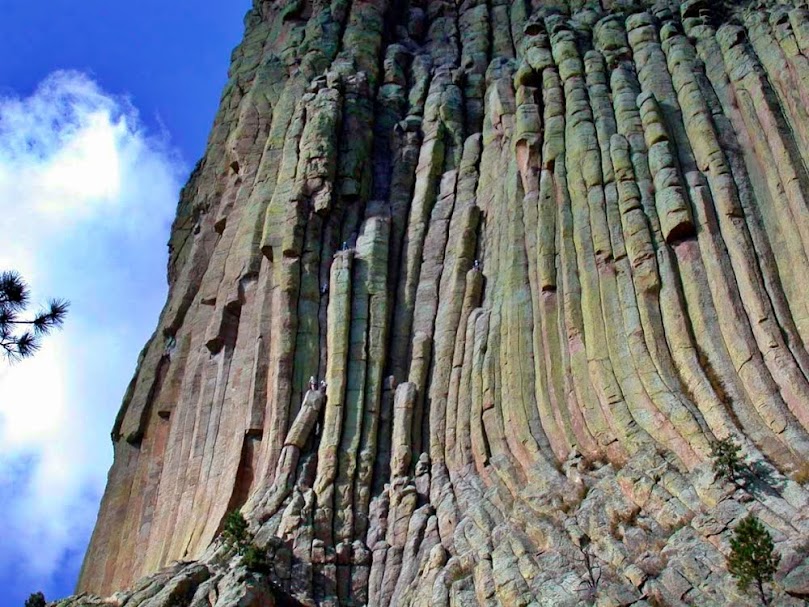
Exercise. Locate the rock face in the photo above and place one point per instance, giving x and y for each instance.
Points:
(460, 296)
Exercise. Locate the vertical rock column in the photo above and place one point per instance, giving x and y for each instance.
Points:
(460, 296)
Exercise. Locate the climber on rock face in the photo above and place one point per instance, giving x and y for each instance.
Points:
(312, 383)
(476, 265)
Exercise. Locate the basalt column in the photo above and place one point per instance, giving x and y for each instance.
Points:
(462, 293)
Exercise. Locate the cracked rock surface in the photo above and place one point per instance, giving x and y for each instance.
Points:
(461, 294)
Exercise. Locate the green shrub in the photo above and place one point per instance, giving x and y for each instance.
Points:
(255, 559)
(237, 536)
(235, 533)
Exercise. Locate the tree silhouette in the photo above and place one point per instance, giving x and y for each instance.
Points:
(752, 556)
(37, 599)
(20, 337)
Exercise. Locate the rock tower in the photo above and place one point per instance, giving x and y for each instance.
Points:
(461, 295)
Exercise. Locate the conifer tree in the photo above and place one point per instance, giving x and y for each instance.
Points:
(753, 559)
(237, 537)
(20, 336)
(235, 531)
(726, 461)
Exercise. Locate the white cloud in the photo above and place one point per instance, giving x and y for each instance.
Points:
(86, 201)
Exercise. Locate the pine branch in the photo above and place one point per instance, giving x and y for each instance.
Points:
(14, 297)
(19, 347)
(52, 318)
(14, 293)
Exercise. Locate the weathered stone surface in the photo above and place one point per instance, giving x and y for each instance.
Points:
(463, 292)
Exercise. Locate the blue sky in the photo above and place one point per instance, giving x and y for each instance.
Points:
(104, 107)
